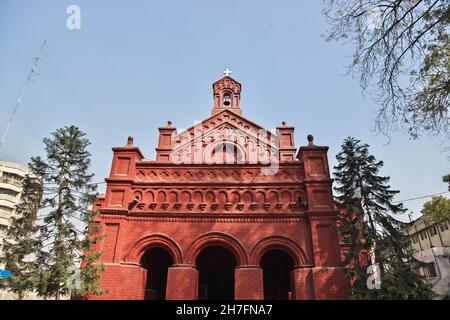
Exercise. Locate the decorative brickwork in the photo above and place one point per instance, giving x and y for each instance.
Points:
(225, 183)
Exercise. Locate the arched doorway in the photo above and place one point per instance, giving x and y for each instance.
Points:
(277, 266)
(156, 261)
(216, 266)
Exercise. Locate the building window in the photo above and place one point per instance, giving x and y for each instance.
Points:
(11, 178)
(8, 192)
(444, 226)
(423, 235)
(433, 231)
(415, 238)
(5, 209)
(227, 153)
(430, 270)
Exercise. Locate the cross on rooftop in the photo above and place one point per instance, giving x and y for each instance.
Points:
(227, 72)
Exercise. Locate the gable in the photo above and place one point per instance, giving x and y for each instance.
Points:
(248, 140)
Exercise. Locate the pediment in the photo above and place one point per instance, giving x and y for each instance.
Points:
(216, 124)
(217, 120)
(225, 128)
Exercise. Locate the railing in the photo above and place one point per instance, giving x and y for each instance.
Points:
(11, 181)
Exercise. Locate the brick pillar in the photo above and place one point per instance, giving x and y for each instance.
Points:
(302, 284)
(133, 282)
(248, 283)
(325, 241)
(331, 284)
(182, 283)
(122, 282)
(330, 281)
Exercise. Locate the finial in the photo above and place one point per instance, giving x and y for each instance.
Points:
(130, 141)
(310, 139)
(169, 123)
(227, 72)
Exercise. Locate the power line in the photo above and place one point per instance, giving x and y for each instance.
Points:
(33, 71)
(423, 197)
(97, 183)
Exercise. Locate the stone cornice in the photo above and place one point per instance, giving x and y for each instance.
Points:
(163, 165)
(205, 218)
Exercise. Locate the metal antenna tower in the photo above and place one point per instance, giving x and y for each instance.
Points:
(30, 78)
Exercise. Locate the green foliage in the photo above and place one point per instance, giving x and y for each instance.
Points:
(90, 270)
(437, 209)
(69, 195)
(447, 179)
(367, 200)
(46, 244)
(20, 244)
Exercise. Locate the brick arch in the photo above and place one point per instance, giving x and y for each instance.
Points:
(149, 196)
(173, 196)
(219, 239)
(278, 243)
(154, 241)
(137, 194)
(261, 196)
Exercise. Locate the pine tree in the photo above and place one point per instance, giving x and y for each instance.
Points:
(90, 269)
(68, 197)
(367, 199)
(20, 244)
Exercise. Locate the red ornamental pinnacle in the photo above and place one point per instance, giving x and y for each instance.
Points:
(203, 221)
(130, 141)
(310, 139)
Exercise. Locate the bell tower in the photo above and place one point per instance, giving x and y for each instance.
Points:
(227, 94)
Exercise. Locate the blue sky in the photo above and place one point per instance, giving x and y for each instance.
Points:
(136, 64)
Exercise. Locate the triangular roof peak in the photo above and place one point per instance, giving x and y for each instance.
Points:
(224, 116)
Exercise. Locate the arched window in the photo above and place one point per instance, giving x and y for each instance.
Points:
(227, 153)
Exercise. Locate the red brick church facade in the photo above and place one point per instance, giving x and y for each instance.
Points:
(227, 210)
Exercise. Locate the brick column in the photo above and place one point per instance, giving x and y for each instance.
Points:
(122, 282)
(330, 281)
(302, 283)
(248, 283)
(182, 282)
(325, 240)
(133, 282)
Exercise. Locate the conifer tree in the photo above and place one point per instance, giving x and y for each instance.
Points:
(67, 201)
(20, 244)
(367, 199)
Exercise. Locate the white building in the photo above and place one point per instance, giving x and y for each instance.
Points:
(11, 176)
(436, 269)
(431, 243)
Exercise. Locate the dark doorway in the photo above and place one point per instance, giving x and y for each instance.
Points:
(156, 261)
(216, 274)
(277, 266)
